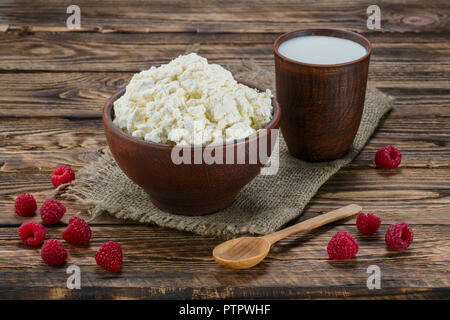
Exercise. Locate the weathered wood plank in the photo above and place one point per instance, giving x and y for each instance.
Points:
(423, 139)
(58, 94)
(170, 269)
(187, 38)
(430, 155)
(417, 195)
(135, 52)
(83, 94)
(267, 292)
(210, 16)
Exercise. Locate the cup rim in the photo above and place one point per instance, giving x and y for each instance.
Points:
(289, 35)
(107, 121)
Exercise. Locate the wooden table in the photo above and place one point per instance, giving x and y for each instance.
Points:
(54, 82)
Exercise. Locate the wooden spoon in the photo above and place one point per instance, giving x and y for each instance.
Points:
(245, 252)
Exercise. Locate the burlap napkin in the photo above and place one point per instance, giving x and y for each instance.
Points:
(263, 206)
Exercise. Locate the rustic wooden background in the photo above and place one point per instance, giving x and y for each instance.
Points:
(54, 81)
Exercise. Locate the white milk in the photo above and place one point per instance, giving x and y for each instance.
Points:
(321, 50)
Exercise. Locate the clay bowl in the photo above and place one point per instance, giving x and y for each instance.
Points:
(194, 188)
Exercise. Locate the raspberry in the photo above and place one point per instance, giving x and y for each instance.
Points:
(52, 211)
(368, 224)
(25, 205)
(342, 246)
(109, 256)
(62, 175)
(388, 158)
(53, 252)
(399, 236)
(32, 233)
(77, 232)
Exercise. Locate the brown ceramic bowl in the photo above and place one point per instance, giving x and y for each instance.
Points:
(186, 189)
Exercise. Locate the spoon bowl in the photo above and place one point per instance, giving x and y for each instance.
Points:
(241, 253)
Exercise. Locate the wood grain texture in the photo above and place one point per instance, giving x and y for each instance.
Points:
(83, 94)
(297, 267)
(49, 141)
(54, 82)
(85, 52)
(211, 16)
(411, 194)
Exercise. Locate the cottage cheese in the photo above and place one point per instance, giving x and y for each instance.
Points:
(191, 102)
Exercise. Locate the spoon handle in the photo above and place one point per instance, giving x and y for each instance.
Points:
(315, 222)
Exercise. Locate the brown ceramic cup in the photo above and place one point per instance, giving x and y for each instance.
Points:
(322, 104)
(194, 188)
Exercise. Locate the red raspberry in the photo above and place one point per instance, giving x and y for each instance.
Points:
(77, 232)
(32, 233)
(53, 252)
(25, 205)
(109, 256)
(342, 246)
(52, 211)
(399, 236)
(62, 175)
(368, 224)
(388, 158)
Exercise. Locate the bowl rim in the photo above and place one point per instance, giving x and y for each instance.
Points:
(292, 34)
(107, 121)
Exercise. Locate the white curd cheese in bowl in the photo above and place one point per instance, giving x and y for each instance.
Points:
(191, 102)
